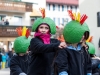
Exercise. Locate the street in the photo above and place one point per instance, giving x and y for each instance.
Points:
(5, 71)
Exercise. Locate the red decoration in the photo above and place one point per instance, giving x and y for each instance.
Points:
(57, 27)
(83, 18)
(90, 39)
(43, 12)
(71, 14)
(19, 31)
(27, 33)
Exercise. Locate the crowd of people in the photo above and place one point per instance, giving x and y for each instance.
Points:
(43, 55)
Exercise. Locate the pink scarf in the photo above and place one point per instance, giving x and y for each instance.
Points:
(44, 37)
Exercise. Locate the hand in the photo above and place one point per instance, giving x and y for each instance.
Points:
(85, 45)
(22, 73)
(62, 45)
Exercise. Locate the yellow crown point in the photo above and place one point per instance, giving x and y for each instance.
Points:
(24, 31)
(75, 16)
(78, 17)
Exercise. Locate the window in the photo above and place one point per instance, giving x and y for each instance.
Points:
(62, 7)
(17, 20)
(76, 8)
(2, 17)
(71, 7)
(67, 7)
(67, 20)
(58, 7)
(58, 21)
(53, 7)
(49, 6)
(62, 20)
(32, 21)
(54, 19)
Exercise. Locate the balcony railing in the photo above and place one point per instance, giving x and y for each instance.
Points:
(11, 6)
(9, 31)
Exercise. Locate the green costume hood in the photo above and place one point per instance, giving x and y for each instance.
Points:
(21, 44)
(46, 20)
(91, 48)
(73, 31)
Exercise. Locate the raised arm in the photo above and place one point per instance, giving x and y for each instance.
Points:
(37, 46)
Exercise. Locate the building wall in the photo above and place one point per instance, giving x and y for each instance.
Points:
(58, 12)
(26, 20)
(91, 7)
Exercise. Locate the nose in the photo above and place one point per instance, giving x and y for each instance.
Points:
(43, 30)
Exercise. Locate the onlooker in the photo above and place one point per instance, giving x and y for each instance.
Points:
(4, 58)
(2, 22)
(6, 22)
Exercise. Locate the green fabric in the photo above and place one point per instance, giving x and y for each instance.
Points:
(91, 48)
(21, 44)
(73, 31)
(46, 20)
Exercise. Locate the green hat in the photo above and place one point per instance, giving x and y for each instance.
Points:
(21, 44)
(91, 48)
(46, 20)
(73, 31)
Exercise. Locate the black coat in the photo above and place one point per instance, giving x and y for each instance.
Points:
(42, 56)
(19, 64)
(95, 63)
(72, 61)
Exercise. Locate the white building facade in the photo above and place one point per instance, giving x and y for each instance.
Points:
(58, 11)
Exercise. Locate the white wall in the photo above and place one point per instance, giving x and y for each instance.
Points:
(91, 7)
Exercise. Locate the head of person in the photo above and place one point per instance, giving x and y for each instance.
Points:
(43, 28)
(91, 49)
(76, 31)
(44, 25)
(21, 44)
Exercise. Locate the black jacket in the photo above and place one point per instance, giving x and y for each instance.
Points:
(42, 56)
(95, 63)
(72, 61)
(19, 64)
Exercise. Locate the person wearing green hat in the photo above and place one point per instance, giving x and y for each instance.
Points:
(43, 47)
(94, 59)
(19, 62)
(74, 59)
